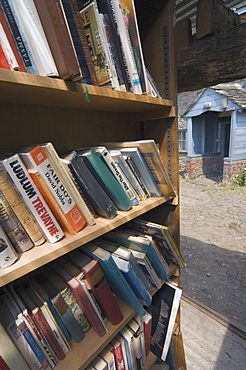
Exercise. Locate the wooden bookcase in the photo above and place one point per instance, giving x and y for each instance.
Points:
(36, 109)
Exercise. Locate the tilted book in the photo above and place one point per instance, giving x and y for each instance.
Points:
(114, 276)
(59, 167)
(105, 177)
(12, 226)
(126, 335)
(134, 328)
(56, 30)
(16, 202)
(98, 283)
(8, 52)
(3, 59)
(36, 160)
(8, 255)
(34, 200)
(119, 360)
(95, 195)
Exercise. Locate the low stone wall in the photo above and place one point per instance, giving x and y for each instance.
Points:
(203, 165)
(232, 168)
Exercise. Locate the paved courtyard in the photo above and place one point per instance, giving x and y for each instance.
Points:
(213, 243)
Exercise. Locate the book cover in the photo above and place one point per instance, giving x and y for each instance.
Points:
(137, 175)
(84, 300)
(98, 283)
(142, 243)
(34, 200)
(55, 28)
(153, 160)
(11, 42)
(69, 298)
(8, 51)
(126, 47)
(164, 310)
(126, 262)
(32, 28)
(121, 340)
(95, 39)
(8, 255)
(12, 227)
(105, 177)
(57, 164)
(147, 327)
(20, 208)
(95, 195)
(118, 355)
(139, 319)
(134, 328)
(126, 335)
(18, 36)
(3, 365)
(99, 363)
(114, 276)
(36, 160)
(108, 357)
(3, 59)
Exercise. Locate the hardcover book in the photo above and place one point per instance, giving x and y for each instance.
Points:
(114, 276)
(34, 200)
(8, 255)
(101, 203)
(126, 335)
(98, 283)
(20, 208)
(36, 160)
(7, 51)
(99, 363)
(118, 355)
(108, 356)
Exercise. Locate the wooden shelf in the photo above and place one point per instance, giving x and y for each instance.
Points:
(40, 255)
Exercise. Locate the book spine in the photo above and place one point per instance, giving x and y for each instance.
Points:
(59, 167)
(3, 365)
(119, 361)
(3, 60)
(12, 227)
(7, 49)
(18, 36)
(33, 198)
(8, 256)
(137, 175)
(19, 207)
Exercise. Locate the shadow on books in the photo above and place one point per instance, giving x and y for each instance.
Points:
(215, 279)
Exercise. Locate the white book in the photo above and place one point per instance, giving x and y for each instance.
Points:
(127, 50)
(33, 198)
(8, 50)
(127, 337)
(36, 39)
(108, 356)
(7, 253)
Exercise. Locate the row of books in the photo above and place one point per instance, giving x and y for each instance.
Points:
(92, 41)
(77, 293)
(44, 196)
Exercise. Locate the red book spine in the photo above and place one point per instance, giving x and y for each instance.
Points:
(83, 301)
(11, 41)
(3, 60)
(3, 365)
(119, 360)
(103, 293)
(44, 326)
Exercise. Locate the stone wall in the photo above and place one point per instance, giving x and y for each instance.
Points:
(202, 165)
(232, 168)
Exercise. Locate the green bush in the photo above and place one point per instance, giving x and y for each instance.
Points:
(240, 179)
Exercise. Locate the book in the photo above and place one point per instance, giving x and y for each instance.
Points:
(121, 163)
(20, 208)
(99, 363)
(105, 177)
(126, 48)
(151, 155)
(56, 30)
(93, 29)
(12, 227)
(108, 356)
(36, 160)
(126, 335)
(32, 28)
(3, 59)
(118, 355)
(143, 243)
(126, 262)
(8, 255)
(119, 175)
(11, 42)
(3, 365)
(162, 236)
(134, 328)
(98, 283)
(101, 203)
(147, 326)
(18, 36)
(57, 164)
(69, 298)
(10, 351)
(8, 51)
(114, 276)
(72, 26)
(137, 175)
(139, 319)
(121, 340)
(84, 300)
(130, 18)
(164, 310)
(105, 9)
(33, 198)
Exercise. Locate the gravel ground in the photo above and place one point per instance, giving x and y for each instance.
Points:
(213, 243)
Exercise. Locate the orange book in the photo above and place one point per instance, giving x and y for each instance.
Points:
(3, 60)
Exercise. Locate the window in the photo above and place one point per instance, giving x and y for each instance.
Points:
(182, 140)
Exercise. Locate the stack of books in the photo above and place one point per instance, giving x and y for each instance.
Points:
(95, 42)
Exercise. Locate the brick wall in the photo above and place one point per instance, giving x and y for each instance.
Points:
(204, 165)
(232, 168)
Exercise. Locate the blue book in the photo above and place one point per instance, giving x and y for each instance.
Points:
(106, 179)
(144, 171)
(114, 276)
(141, 243)
(18, 36)
(126, 262)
